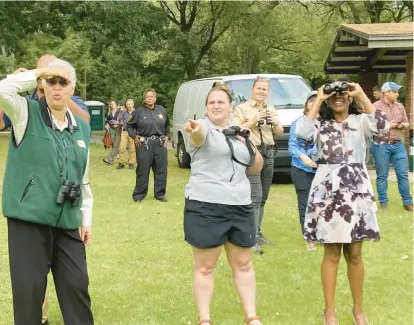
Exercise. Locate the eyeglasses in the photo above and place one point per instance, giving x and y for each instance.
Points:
(52, 81)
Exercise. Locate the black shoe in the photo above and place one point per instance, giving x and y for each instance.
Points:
(161, 198)
(138, 199)
(384, 206)
(263, 241)
(131, 166)
(46, 323)
(408, 207)
(257, 249)
(106, 161)
(120, 166)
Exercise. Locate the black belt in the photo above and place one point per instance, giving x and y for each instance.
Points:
(267, 146)
(153, 137)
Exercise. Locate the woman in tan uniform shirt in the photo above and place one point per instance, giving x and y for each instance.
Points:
(264, 124)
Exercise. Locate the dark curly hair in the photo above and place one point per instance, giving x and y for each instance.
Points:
(326, 112)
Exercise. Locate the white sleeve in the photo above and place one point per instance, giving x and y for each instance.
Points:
(87, 198)
(13, 104)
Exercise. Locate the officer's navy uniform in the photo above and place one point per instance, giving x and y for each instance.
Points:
(152, 125)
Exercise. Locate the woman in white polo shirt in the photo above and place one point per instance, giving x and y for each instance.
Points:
(218, 209)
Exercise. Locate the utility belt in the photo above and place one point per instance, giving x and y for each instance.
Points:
(268, 150)
(267, 146)
(153, 137)
(145, 140)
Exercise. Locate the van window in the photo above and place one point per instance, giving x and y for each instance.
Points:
(283, 93)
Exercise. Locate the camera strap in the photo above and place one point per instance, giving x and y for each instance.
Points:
(249, 148)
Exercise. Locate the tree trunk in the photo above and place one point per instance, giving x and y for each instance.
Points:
(191, 70)
(84, 85)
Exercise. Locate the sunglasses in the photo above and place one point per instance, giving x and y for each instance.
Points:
(52, 81)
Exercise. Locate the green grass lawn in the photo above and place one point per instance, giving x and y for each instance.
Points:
(140, 268)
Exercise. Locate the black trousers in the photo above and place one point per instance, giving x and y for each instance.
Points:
(260, 188)
(302, 181)
(151, 155)
(35, 249)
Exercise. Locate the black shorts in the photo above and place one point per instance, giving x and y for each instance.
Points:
(208, 225)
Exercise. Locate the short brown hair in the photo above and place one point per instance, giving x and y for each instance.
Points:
(222, 88)
(146, 91)
(376, 88)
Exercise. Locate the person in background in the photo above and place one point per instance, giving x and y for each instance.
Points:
(47, 229)
(218, 207)
(303, 167)
(341, 210)
(127, 143)
(389, 148)
(263, 121)
(149, 128)
(5, 122)
(376, 92)
(112, 124)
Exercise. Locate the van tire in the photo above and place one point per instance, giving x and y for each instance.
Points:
(183, 157)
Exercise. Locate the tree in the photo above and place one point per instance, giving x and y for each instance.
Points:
(367, 11)
(200, 24)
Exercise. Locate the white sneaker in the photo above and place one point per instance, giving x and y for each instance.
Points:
(310, 246)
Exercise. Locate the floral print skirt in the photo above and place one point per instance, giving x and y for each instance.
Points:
(341, 206)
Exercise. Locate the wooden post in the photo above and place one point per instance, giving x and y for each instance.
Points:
(367, 81)
(409, 96)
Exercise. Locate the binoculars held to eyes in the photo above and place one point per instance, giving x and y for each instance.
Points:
(235, 130)
(338, 87)
(69, 191)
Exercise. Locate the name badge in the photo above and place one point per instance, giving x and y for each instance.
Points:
(81, 144)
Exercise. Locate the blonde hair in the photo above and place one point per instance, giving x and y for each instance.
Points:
(260, 79)
(110, 104)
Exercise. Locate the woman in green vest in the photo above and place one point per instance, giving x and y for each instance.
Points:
(47, 199)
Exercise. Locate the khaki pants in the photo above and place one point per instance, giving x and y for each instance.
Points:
(126, 141)
(45, 309)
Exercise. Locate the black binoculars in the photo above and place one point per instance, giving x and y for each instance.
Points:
(338, 87)
(69, 191)
(235, 130)
(265, 121)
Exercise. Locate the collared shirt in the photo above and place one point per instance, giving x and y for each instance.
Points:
(16, 108)
(298, 146)
(246, 112)
(7, 122)
(124, 117)
(395, 112)
(147, 122)
(215, 176)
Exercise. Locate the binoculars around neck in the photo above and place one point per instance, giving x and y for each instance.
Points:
(235, 130)
(70, 191)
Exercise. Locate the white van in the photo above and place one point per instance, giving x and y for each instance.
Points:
(287, 93)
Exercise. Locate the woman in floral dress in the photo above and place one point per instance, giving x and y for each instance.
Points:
(341, 210)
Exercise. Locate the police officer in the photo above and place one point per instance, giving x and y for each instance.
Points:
(149, 126)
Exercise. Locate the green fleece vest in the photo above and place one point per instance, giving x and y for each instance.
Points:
(37, 167)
